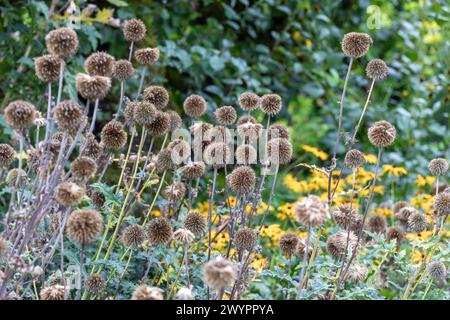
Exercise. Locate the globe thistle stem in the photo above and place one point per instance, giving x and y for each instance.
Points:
(353, 141)
(60, 87)
(130, 54)
(141, 81)
(94, 116)
(304, 264)
(158, 191)
(122, 92)
(49, 111)
(272, 192)
(211, 200)
(130, 144)
(81, 272)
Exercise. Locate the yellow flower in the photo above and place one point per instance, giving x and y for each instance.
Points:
(155, 213)
(423, 201)
(273, 232)
(396, 171)
(259, 263)
(388, 213)
(308, 43)
(417, 257)
(295, 185)
(286, 211)
(322, 155)
(432, 37)
(423, 181)
(370, 158)
(377, 189)
(425, 235)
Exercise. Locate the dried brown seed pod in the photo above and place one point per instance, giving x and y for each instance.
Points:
(382, 134)
(219, 273)
(194, 106)
(175, 120)
(311, 211)
(147, 56)
(246, 154)
(400, 205)
(226, 115)
(68, 116)
(134, 30)
(245, 239)
(7, 155)
(356, 44)
(288, 243)
(354, 159)
(62, 42)
(92, 148)
(246, 118)
(396, 233)
(100, 64)
(144, 113)
(69, 194)
(98, 198)
(438, 167)
(437, 271)
(377, 223)
(159, 231)
(164, 160)
(279, 151)
(277, 130)
(184, 236)
(377, 69)
(196, 223)
(95, 284)
(347, 217)
(113, 135)
(242, 179)
(144, 292)
(84, 226)
(193, 170)
(271, 104)
(417, 222)
(157, 95)
(248, 101)
(16, 178)
(54, 292)
(217, 154)
(337, 243)
(176, 191)
(357, 273)
(92, 87)
(20, 115)
(84, 168)
(249, 130)
(134, 235)
(123, 70)
(442, 203)
(47, 67)
(160, 125)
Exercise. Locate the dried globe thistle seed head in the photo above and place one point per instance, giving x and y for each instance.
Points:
(242, 179)
(128, 112)
(20, 115)
(356, 44)
(277, 130)
(194, 106)
(193, 170)
(92, 87)
(160, 125)
(377, 223)
(100, 64)
(417, 222)
(400, 205)
(311, 211)
(396, 233)
(54, 292)
(3, 246)
(47, 67)
(249, 101)
(62, 42)
(181, 150)
(377, 69)
(337, 243)
(176, 191)
(437, 271)
(438, 167)
(200, 128)
(159, 231)
(84, 168)
(164, 160)
(7, 155)
(92, 148)
(246, 118)
(218, 134)
(196, 223)
(357, 273)
(144, 113)
(144, 292)
(123, 70)
(300, 249)
(442, 203)
(175, 120)
(246, 154)
(98, 198)
(134, 30)
(347, 217)
(68, 115)
(158, 96)
(354, 159)
(288, 243)
(245, 239)
(84, 226)
(69, 194)
(147, 56)
(249, 130)
(226, 115)
(271, 104)
(16, 178)
(184, 294)
(113, 135)
(404, 213)
(279, 151)
(95, 284)
(134, 235)
(217, 154)
(382, 134)
(184, 236)
(219, 273)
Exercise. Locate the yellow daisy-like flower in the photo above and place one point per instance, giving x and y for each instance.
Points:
(295, 185)
(388, 213)
(370, 158)
(423, 181)
(416, 257)
(396, 171)
(273, 232)
(425, 235)
(286, 211)
(322, 155)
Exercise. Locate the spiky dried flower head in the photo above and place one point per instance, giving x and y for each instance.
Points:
(144, 113)
(133, 235)
(404, 213)
(249, 130)
(377, 223)
(242, 179)
(442, 203)
(95, 284)
(184, 294)
(193, 170)
(246, 154)
(157, 95)
(245, 239)
(3, 246)
(219, 273)
(311, 211)
(176, 191)
(69, 194)
(113, 135)
(54, 292)
(92, 87)
(377, 69)
(123, 70)
(337, 243)
(246, 118)
(347, 217)
(438, 167)
(356, 44)
(279, 151)
(84, 168)
(288, 243)
(134, 30)
(277, 130)
(7, 155)
(147, 56)
(382, 134)
(249, 101)
(97, 197)
(164, 160)
(20, 115)
(217, 154)
(69, 116)
(357, 273)
(160, 125)
(395, 233)
(92, 148)
(437, 271)
(354, 159)
(185, 236)
(128, 112)
(47, 67)
(62, 42)
(301, 247)
(417, 222)
(100, 64)
(271, 104)
(16, 178)
(144, 292)
(400, 205)
(159, 231)
(195, 222)
(226, 115)
(194, 106)
(175, 120)
(84, 226)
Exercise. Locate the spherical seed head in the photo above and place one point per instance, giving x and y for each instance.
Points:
(175, 120)
(337, 243)
(279, 151)
(301, 247)
(92, 87)
(437, 271)
(218, 134)
(159, 231)
(357, 273)
(246, 154)
(145, 292)
(164, 160)
(95, 283)
(98, 198)
(277, 130)
(134, 235)
(184, 294)
(20, 115)
(193, 170)
(356, 44)
(84, 168)
(184, 236)
(144, 113)
(69, 194)
(226, 115)
(400, 205)
(217, 154)
(219, 273)
(249, 101)
(311, 211)
(68, 116)
(123, 70)
(438, 167)
(249, 130)
(84, 226)
(404, 213)
(288, 243)
(196, 223)
(7, 155)
(246, 118)
(113, 135)
(134, 30)
(417, 222)
(245, 239)
(92, 148)
(347, 217)
(157, 95)
(377, 223)
(54, 292)
(147, 56)
(396, 233)
(128, 112)
(16, 178)
(47, 67)
(382, 134)
(242, 179)
(194, 106)
(442, 203)
(176, 191)
(271, 104)
(377, 69)
(62, 42)
(100, 64)
(354, 159)
(161, 124)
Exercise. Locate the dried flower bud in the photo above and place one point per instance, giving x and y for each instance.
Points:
(219, 273)
(245, 239)
(144, 292)
(226, 115)
(438, 167)
(92, 87)
(196, 223)
(113, 135)
(147, 56)
(194, 106)
(354, 159)
(159, 231)
(134, 30)
(69, 116)
(20, 115)
(47, 67)
(356, 45)
(288, 243)
(242, 179)
(62, 42)
(248, 101)
(7, 155)
(377, 69)
(100, 64)
(157, 95)
(84, 226)
(311, 211)
(123, 70)
(271, 104)
(134, 235)
(382, 134)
